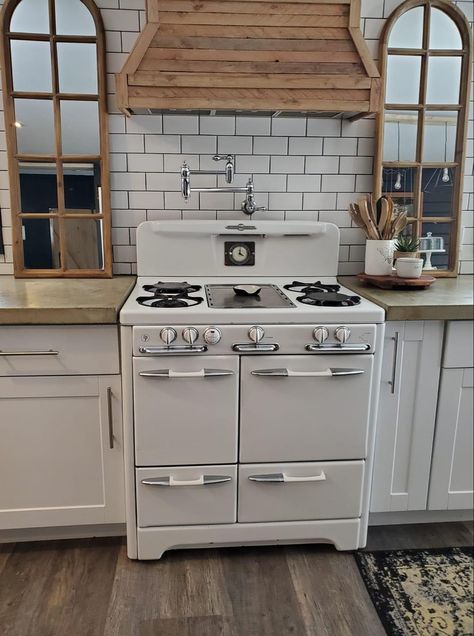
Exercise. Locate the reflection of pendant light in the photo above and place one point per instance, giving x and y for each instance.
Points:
(398, 182)
(445, 177)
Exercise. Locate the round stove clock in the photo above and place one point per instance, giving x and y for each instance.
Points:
(239, 253)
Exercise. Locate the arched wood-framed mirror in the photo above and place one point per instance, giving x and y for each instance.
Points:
(426, 60)
(54, 85)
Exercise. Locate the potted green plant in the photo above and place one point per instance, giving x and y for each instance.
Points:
(406, 246)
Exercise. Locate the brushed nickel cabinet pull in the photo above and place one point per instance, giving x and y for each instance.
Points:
(50, 352)
(110, 417)
(396, 339)
(203, 480)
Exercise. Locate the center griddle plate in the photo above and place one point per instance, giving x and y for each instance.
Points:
(224, 297)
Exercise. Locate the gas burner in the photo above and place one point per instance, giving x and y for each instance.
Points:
(306, 288)
(161, 301)
(328, 299)
(171, 288)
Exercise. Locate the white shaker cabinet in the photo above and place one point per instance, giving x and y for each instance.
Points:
(451, 485)
(61, 451)
(407, 415)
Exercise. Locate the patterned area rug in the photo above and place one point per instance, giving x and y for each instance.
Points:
(421, 592)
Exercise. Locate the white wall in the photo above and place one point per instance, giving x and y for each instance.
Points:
(303, 168)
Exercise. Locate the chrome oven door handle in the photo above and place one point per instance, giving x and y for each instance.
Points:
(50, 352)
(171, 350)
(203, 480)
(289, 373)
(248, 347)
(283, 478)
(200, 373)
(338, 348)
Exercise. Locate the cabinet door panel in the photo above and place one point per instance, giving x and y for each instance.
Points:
(406, 417)
(451, 486)
(57, 466)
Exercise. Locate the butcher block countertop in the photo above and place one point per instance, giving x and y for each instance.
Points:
(446, 299)
(62, 301)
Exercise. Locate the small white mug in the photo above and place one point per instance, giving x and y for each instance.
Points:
(409, 267)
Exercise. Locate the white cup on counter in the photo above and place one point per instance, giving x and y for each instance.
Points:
(409, 267)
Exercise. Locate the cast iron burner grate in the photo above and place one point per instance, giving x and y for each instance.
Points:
(162, 301)
(328, 299)
(305, 288)
(171, 288)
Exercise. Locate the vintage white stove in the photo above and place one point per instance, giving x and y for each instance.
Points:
(250, 388)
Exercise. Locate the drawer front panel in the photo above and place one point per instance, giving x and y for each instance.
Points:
(186, 496)
(59, 350)
(299, 492)
(308, 414)
(186, 410)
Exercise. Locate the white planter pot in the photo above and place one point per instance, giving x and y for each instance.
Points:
(379, 257)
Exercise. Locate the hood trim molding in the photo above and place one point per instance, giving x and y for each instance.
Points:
(305, 57)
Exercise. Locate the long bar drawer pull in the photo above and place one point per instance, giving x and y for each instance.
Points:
(337, 348)
(201, 373)
(283, 478)
(252, 348)
(50, 352)
(288, 373)
(203, 480)
(172, 349)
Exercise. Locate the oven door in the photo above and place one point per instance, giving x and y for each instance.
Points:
(304, 408)
(186, 410)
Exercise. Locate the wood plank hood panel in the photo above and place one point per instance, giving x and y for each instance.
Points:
(294, 56)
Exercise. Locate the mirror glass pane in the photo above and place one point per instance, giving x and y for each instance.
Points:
(73, 18)
(438, 192)
(403, 79)
(81, 187)
(31, 66)
(437, 259)
(439, 140)
(35, 131)
(83, 244)
(444, 79)
(41, 243)
(77, 68)
(444, 34)
(80, 128)
(400, 133)
(38, 187)
(398, 181)
(407, 32)
(31, 16)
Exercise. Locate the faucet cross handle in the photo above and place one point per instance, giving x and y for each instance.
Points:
(249, 205)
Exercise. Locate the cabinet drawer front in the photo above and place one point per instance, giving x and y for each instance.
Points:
(59, 350)
(300, 492)
(306, 415)
(186, 496)
(186, 410)
(459, 344)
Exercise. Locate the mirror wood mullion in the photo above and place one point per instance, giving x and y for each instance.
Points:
(91, 221)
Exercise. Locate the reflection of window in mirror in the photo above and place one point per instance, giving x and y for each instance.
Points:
(426, 55)
(55, 109)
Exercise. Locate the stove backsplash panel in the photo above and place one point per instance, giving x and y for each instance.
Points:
(303, 168)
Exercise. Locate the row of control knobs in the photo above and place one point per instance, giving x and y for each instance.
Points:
(212, 335)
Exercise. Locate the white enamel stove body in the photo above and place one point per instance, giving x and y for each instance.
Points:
(246, 425)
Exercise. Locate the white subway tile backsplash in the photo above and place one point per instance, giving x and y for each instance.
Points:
(322, 165)
(162, 143)
(252, 125)
(319, 201)
(305, 146)
(173, 163)
(285, 201)
(175, 201)
(163, 181)
(342, 146)
(337, 183)
(356, 165)
(126, 143)
(304, 183)
(145, 162)
(144, 124)
(289, 126)
(127, 181)
(324, 127)
(286, 165)
(118, 162)
(251, 164)
(217, 201)
(180, 124)
(270, 145)
(342, 219)
(235, 145)
(196, 144)
(127, 218)
(270, 182)
(118, 200)
(216, 125)
(117, 20)
(139, 200)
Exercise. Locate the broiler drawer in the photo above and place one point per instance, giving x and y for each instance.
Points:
(170, 496)
(299, 492)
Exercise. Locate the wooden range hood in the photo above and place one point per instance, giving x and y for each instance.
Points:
(263, 56)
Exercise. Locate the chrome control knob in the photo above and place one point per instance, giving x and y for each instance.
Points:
(320, 334)
(168, 335)
(342, 334)
(256, 334)
(190, 335)
(212, 335)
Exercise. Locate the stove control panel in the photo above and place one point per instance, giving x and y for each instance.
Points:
(254, 339)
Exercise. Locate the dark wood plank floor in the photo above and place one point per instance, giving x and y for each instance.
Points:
(90, 588)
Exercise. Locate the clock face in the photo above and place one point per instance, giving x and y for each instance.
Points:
(239, 254)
